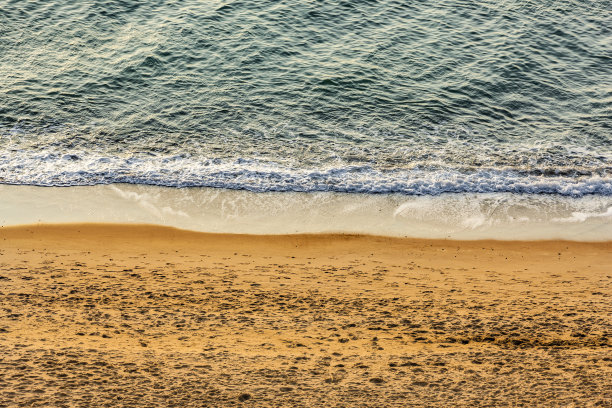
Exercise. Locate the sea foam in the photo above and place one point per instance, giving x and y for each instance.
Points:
(32, 168)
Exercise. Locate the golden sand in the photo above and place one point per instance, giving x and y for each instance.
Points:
(108, 315)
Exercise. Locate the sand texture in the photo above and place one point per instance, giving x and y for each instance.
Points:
(94, 315)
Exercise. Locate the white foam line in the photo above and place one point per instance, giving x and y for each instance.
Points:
(32, 168)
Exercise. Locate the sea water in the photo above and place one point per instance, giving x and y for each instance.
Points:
(425, 118)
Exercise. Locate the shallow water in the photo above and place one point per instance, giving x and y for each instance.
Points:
(502, 216)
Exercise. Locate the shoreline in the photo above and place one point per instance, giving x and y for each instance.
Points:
(500, 216)
(147, 315)
(135, 230)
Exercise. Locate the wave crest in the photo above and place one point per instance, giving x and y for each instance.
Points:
(260, 176)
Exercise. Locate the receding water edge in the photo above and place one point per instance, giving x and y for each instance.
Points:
(501, 216)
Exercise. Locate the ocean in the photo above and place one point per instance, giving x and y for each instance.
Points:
(490, 110)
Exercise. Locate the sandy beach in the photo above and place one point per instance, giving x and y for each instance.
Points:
(120, 315)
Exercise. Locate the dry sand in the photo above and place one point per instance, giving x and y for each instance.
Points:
(113, 315)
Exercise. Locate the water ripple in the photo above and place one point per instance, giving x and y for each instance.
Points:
(463, 87)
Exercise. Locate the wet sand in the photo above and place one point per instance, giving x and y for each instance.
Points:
(117, 315)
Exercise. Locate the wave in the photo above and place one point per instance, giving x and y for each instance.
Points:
(38, 169)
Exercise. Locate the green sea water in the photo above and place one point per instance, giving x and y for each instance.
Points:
(406, 97)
